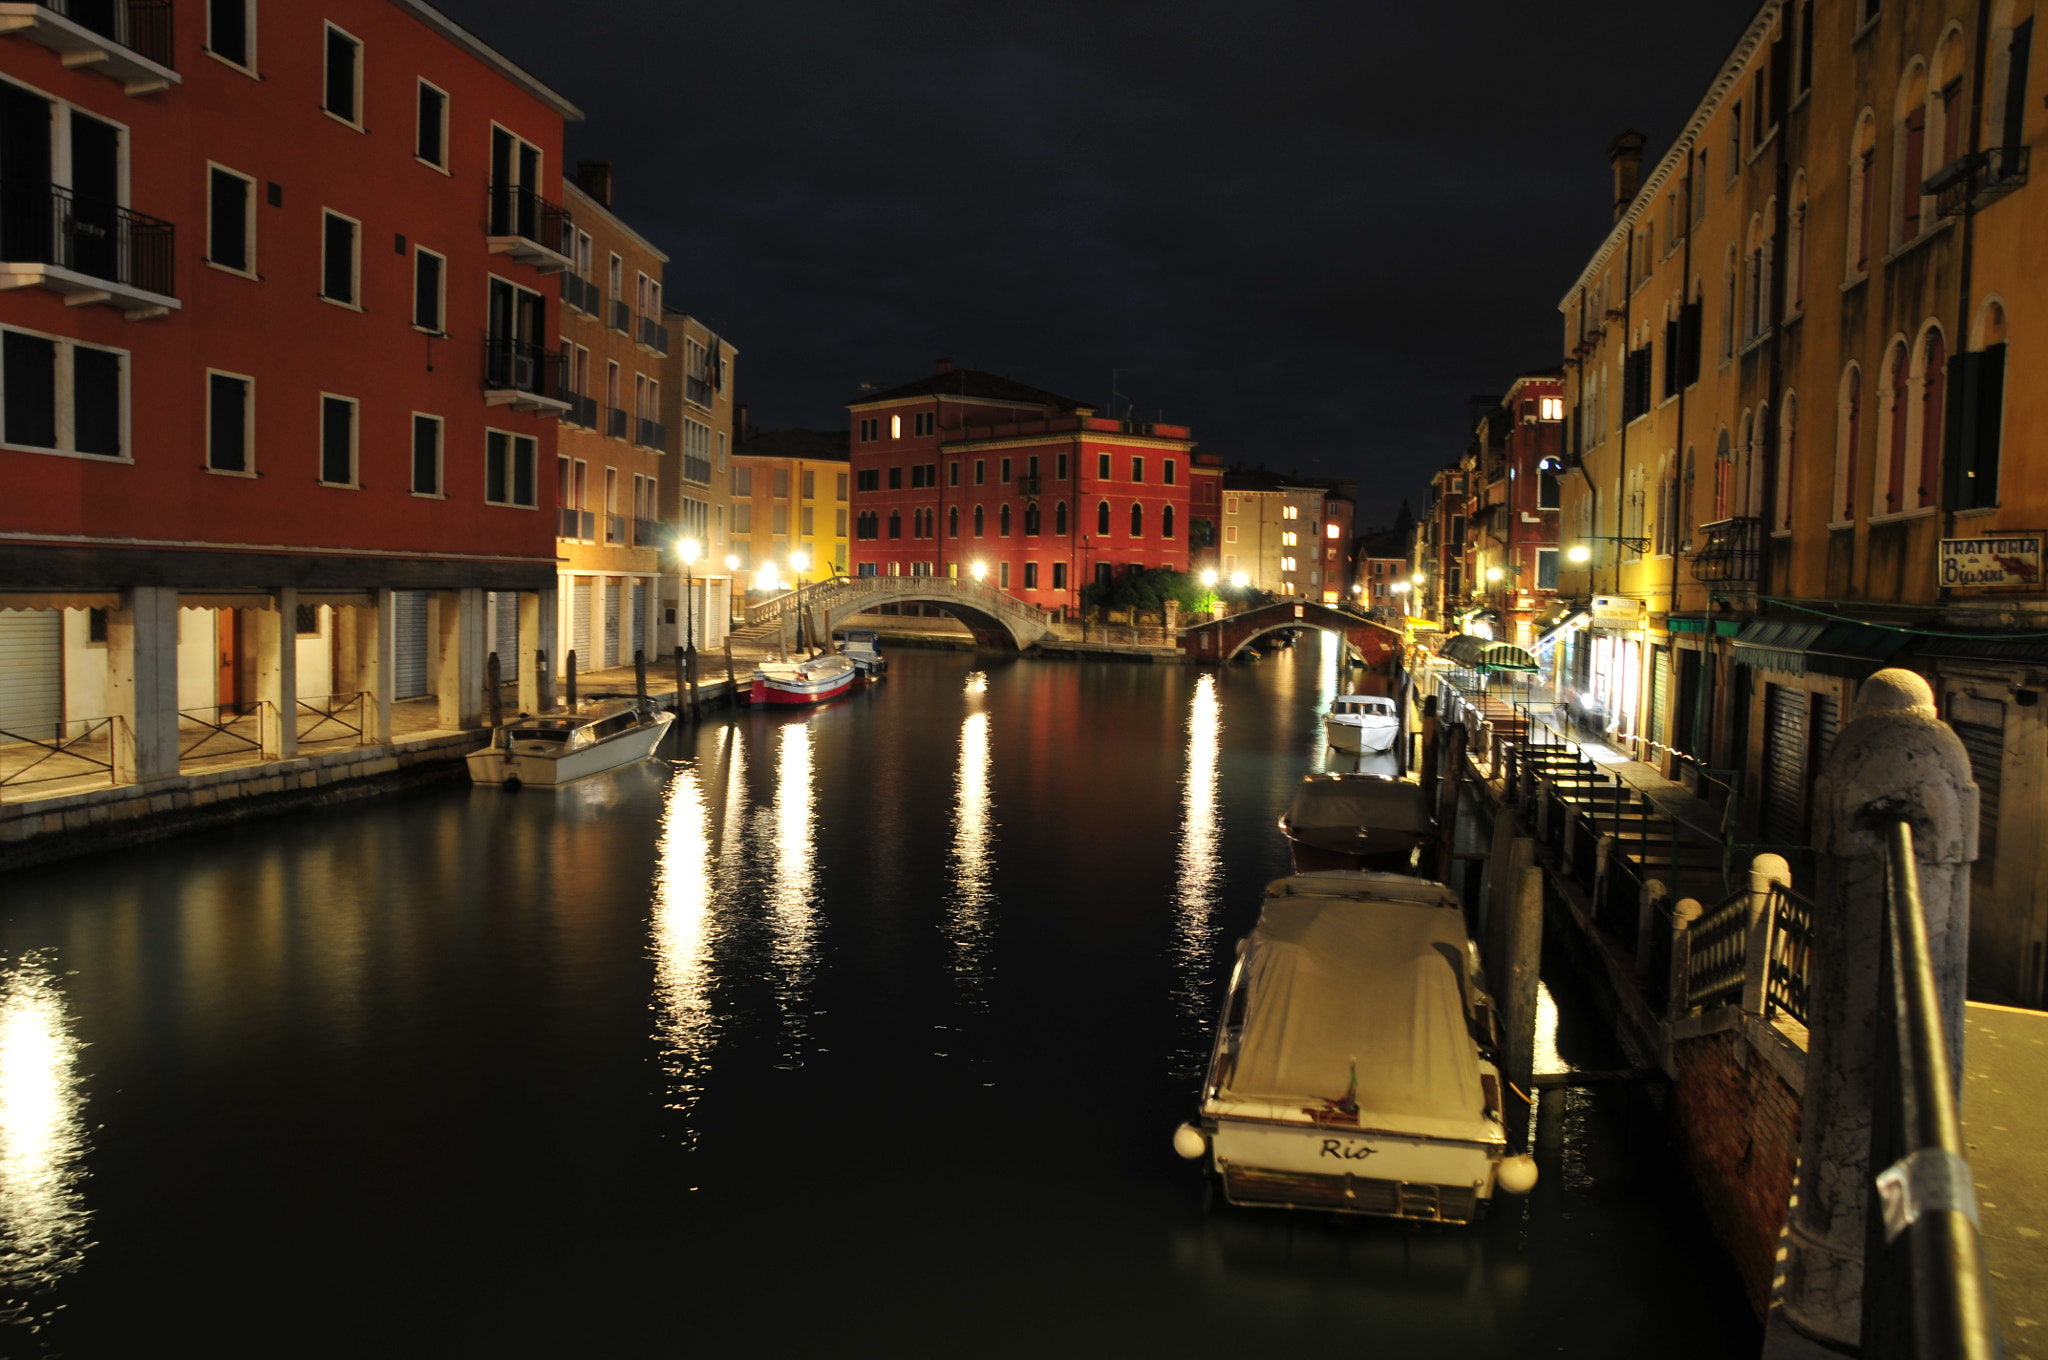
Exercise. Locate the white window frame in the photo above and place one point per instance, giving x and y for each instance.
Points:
(355, 442)
(248, 221)
(248, 468)
(447, 104)
(440, 301)
(66, 397)
(355, 261)
(249, 28)
(440, 493)
(331, 27)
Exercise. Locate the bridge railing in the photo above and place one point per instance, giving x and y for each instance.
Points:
(834, 592)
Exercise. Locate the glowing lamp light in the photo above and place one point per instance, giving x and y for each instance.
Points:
(1240, 580)
(1208, 580)
(1399, 587)
(688, 551)
(1581, 553)
(732, 561)
(797, 562)
(1493, 573)
(765, 578)
(980, 570)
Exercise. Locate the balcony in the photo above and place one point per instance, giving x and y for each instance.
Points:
(1971, 182)
(1027, 486)
(614, 422)
(582, 410)
(697, 391)
(579, 293)
(128, 41)
(649, 533)
(524, 376)
(652, 335)
(622, 316)
(89, 250)
(575, 524)
(528, 228)
(651, 434)
(1731, 550)
(696, 469)
(615, 528)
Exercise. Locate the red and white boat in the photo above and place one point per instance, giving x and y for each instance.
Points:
(802, 682)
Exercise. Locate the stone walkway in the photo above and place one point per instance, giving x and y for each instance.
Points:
(2005, 1088)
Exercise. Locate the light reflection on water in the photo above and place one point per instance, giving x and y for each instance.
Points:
(1200, 875)
(684, 928)
(790, 828)
(43, 1218)
(968, 917)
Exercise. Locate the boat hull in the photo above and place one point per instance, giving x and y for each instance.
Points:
(1392, 852)
(1353, 1171)
(1360, 738)
(796, 692)
(493, 765)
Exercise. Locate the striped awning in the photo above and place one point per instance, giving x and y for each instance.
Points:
(1816, 646)
(1483, 654)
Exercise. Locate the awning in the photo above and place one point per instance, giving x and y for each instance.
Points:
(1801, 647)
(1680, 623)
(1480, 654)
(2018, 651)
(1549, 637)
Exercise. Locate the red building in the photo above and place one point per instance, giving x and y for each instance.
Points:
(964, 469)
(279, 352)
(1514, 506)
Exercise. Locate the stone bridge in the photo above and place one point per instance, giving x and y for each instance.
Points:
(997, 620)
(1222, 639)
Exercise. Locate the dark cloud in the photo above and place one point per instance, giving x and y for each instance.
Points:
(1309, 230)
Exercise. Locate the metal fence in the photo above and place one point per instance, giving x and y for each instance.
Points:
(71, 751)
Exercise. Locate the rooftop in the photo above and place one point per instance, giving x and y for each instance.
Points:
(972, 383)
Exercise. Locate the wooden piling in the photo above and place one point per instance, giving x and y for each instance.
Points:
(494, 699)
(569, 673)
(640, 675)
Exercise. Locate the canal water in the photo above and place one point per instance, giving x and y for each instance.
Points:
(857, 1031)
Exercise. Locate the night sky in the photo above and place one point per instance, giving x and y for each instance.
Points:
(1309, 230)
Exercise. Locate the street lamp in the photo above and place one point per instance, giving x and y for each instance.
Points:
(1581, 553)
(1493, 573)
(980, 570)
(687, 551)
(797, 563)
(732, 569)
(1240, 580)
(1209, 579)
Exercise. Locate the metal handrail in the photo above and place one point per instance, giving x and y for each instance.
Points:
(516, 210)
(1789, 953)
(1925, 1192)
(222, 725)
(328, 711)
(1714, 971)
(64, 747)
(48, 224)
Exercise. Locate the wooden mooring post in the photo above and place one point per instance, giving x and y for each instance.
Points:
(640, 675)
(569, 677)
(494, 698)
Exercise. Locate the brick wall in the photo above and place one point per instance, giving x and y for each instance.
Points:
(1736, 1124)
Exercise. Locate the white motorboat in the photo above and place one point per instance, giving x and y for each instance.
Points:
(1353, 1068)
(554, 750)
(1362, 723)
(863, 647)
(802, 682)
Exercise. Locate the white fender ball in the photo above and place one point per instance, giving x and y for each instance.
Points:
(1189, 1142)
(1516, 1175)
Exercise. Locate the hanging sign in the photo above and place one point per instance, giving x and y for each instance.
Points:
(2008, 562)
(1617, 611)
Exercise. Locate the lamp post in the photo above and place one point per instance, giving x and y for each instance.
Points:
(797, 563)
(732, 568)
(1209, 584)
(686, 552)
(1581, 553)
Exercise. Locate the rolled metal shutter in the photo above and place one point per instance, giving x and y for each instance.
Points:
(611, 622)
(1784, 800)
(32, 672)
(1986, 747)
(1827, 720)
(640, 616)
(409, 680)
(579, 624)
(505, 631)
(1660, 686)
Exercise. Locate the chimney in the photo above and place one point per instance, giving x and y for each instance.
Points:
(595, 178)
(1626, 154)
(740, 419)
(944, 365)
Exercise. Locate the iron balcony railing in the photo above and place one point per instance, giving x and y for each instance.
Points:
(697, 391)
(651, 434)
(512, 365)
(573, 523)
(48, 224)
(647, 533)
(615, 422)
(1027, 486)
(1730, 550)
(696, 469)
(1976, 179)
(516, 210)
(582, 410)
(580, 293)
(622, 316)
(141, 26)
(653, 335)
(615, 528)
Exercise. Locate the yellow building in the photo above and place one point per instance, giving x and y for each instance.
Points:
(789, 495)
(1805, 425)
(697, 405)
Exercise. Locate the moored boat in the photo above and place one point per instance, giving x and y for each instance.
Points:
(802, 682)
(863, 647)
(1358, 821)
(1362, 723)
(556, 749)
(1353, 1068)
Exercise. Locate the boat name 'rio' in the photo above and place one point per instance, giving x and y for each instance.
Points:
(1349, 1152)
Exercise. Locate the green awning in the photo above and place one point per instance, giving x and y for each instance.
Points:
(1482, 654)
(1802, 646)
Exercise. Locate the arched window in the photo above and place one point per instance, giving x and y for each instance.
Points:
(1945, 112)
(1724, 467)
(1895, 408)
(2012, 36)
(1685, 493)
(1102, 518)
(1750, 484)
(1003, 522)
(953, 522)
(1766, 267)
(1788, 453)
(895, 524)
(1795, 249)
(1753, 282)
(1974, 455)
(979, 522)
(1911, 210)
(1137, 520)
(1729, 281)
(1166, 521)
(1059, 520)
(1848, 438)
(1930, 374)
(1862, 162)
(1031, 520)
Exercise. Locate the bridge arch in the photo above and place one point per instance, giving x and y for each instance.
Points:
(1220, 640)
(998, 620)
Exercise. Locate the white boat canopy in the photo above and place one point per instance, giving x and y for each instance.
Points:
(1364, 973)
(1374, 801)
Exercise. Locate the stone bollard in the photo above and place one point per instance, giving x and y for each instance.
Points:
(1895, 759)
(1677, 1000)
(1765, 873)
(1650, 909)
